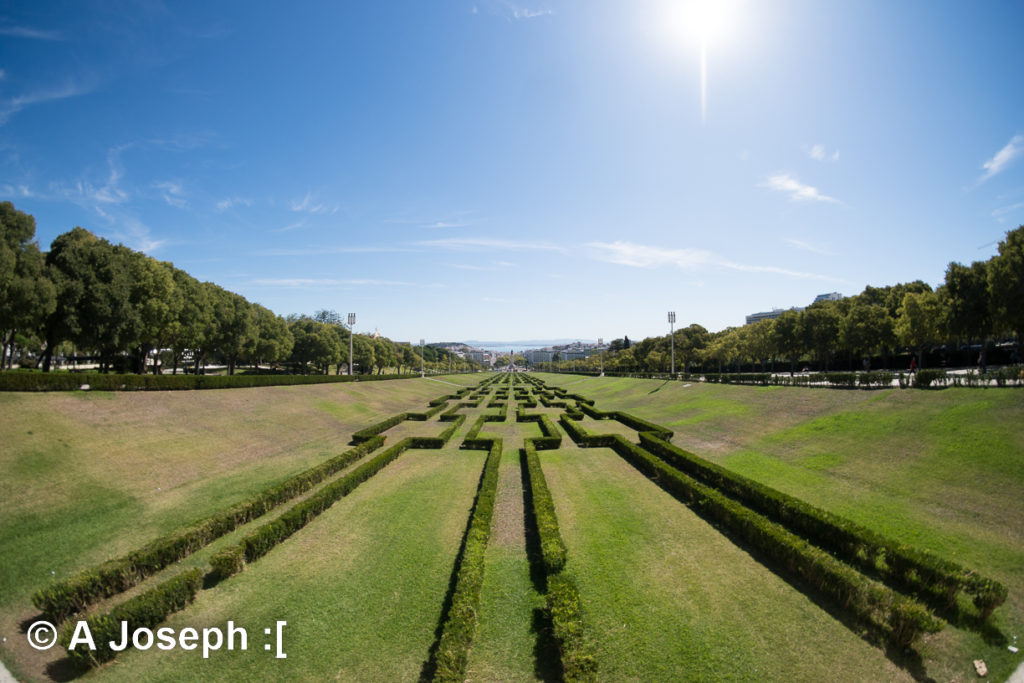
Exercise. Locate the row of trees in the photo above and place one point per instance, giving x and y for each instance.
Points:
(975, 305)
(86, 296)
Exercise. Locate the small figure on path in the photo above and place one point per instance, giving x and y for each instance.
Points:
(913, 364)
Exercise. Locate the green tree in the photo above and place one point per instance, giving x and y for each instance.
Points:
(968, 303)
(27, 296)
(1006, 284)
(821, 330)
(918, 322)
(789, 337)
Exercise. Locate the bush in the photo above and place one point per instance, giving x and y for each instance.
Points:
(143, 611)
(579, 662)
(925, 378)
(69, 381)
(460, 624)
(551, 545)
(227, 562)
(369, 432)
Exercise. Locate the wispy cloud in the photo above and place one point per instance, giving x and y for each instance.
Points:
(646, 256)
(318, 251)
(807, 246)
(12, 106)
(488, 244)
(310, 205)
(446, 224)
(526, 13)
(172, 193)
(229, 202)
(1001, 213)
(29, 32)
(111, 192)
(329, 282)
(292, 226)
(1002, 158)
(818, 152)
(797, 191)
(495, 265)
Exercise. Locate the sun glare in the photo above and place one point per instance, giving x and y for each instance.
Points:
(701, 24)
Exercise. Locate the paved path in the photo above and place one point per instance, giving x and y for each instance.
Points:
(5, 675)
(1017, 676)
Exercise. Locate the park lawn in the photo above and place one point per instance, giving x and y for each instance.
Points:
(361, 587)
(942, 470)
(85, 477)
(666, 597)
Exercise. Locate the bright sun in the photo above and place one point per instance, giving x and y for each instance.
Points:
(702, 24)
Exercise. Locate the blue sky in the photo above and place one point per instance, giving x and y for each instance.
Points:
(496, 169)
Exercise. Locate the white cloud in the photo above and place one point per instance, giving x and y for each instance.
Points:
(646, 256)
(292, 226)
(3, 74)
(1003, 158)
(16, 104)
(310, 205)
(27, 32)
(111, 193)
(524, 13)
(487, 244)
(818, 152)
(329, 282)
(172, 193)
(446, 224)
(318, 251)
(1001, 213)
(228, 202)
(797, 191)
(807, 246)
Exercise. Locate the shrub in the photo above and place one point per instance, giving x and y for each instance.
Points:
(551, 545)
(579, 662)
(228, 562)
(69, 381)
(460, 624)
(925, 378)
(143, 611)
(369, 432)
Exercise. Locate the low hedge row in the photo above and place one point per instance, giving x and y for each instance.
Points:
(368, 433)
(460, 624)
(579, 662)
(70, 381)
(435, 442)
(260, 541)
(145, 610)
(66, 597)
(897, 618)
(552, 548)
(904, 566)
(631, 421)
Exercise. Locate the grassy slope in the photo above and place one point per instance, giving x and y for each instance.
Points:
(84, 477)
(669, 598)
(941, 470)
(361, 587)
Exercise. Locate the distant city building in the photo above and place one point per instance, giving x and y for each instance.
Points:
(538, 356)
(776, 312)
(768, 315)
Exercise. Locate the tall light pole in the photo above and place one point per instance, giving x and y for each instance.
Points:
(672, 338)
(600, 353)
(351, 333)
(422, 372)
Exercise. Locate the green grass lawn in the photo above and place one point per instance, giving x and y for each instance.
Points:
(361, 587)
(941, 470)
(668, 598)
(87, 477)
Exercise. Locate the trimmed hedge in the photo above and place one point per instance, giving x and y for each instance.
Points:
(368, 433)
(906, 567)
(552, 547)
(897, 618)
(631, 421)
(228, 562)
(70, 381)
(257, 543)
(460, 624)
(143, 611)
(435, 442)
(63, 598)
(579, 662)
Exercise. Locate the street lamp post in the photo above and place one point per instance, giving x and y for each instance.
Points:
(422, 372)
(600, 353)
(351, 333)
(672, 338)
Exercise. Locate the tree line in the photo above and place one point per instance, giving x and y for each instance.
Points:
(976, 305)
(131, 313)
